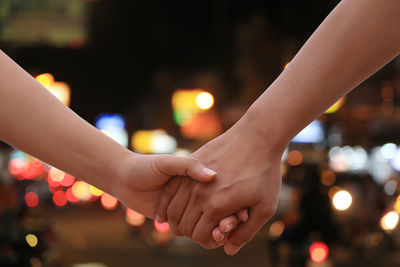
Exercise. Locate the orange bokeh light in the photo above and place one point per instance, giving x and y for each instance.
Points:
(108, 202)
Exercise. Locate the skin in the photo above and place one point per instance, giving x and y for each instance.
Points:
(36, 122)
(357, 38)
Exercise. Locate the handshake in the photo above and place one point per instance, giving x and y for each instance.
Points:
(225, 207)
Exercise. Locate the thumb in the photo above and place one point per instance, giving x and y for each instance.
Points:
(185, 166)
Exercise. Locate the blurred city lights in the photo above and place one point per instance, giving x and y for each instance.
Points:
(95, 191)
(186, 103)
(56, 175)
(318, 251)
(204, 100)
(335, 107)
(379, 166)
(202, 126)
(348, 159)
(45, 79)
(328, 177)
(276, 229)
(70, 196)
(31, 199)
(395, 160)
(61, 90)
(108, 202)
(396, 205)
(32, 240)
(133, 218)
(153, 141)
(295, 158)
(114, 125)
(81, 190)
(313, 133)
(60, 198)
(342, 200)
(161, 227)
(390, 187)
(388, 150)
(389, 221)
(68, 180)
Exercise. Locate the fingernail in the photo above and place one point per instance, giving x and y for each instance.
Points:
(218, 236)
(231, 249)
(229, 227)
(208, 172)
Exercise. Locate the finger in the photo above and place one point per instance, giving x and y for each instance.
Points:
(258, 216)
(219, 236)
(189, 219)
(169, 191)
(242, 215)
(178, 205)
(228, 224)
(206, 241)
(186, 166)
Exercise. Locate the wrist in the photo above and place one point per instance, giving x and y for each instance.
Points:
(263, 133)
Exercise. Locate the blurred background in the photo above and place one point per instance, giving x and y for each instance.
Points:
(166, 77)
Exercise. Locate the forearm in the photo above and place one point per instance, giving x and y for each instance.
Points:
(33, 120)
(353, 42)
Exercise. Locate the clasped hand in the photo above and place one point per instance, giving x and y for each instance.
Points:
(247, 183)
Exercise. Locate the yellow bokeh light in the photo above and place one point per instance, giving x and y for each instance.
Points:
(335, 107)
(140, 141)
(389, 221)
(342, 200)
(276, 229)
(95, 191)
(62, 91)
(45, 79)
(286, 65)
(397, 205)
(81, 190)
(32, 240)
(204, 100)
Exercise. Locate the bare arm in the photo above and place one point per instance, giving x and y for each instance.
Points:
(353, 42)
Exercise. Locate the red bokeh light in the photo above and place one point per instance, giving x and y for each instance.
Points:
(70, 196)
(31, 199)
(60, 198)
(161, 227)
(68, 180)
(319, 251)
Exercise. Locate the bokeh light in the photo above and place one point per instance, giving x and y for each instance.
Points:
(114, 125)
(276, 229)
(389, 221)
(153, 141)
(295, 158)
(70, 196)
(161, 227)
(32, 240)
(95, 191)
(60, 198)
(204, 100)
(45, 79)
(31, 199)
(318, 251)
(133, 218)
(56, 175)
(328, 177)
(108, 202)
(80, 190)
(335, 107)
(313, 133)
(342, 200)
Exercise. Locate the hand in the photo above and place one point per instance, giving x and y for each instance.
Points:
(140, 179)
(249, 175)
